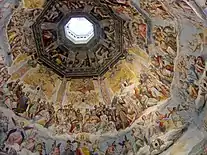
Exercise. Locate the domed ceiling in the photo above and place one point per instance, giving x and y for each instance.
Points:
(103, 77)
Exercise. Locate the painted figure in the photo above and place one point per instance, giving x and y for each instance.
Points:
(18, 134)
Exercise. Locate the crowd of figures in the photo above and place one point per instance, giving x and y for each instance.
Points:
(121, 113)
(155, 9)
(190, 74)
(20, 137)
(102, 119)
(20, 32)
(155, 82)
(24, 117)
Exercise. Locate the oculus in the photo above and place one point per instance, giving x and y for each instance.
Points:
(79, 30)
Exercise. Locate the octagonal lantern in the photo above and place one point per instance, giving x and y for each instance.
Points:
(79, 30)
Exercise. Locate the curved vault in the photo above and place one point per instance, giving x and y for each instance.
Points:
(152, 93)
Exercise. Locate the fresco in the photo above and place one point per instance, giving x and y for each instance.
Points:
(151, 102)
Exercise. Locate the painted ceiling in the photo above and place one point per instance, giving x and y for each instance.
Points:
(137, 88)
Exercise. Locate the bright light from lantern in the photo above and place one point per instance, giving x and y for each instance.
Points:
(79, 30)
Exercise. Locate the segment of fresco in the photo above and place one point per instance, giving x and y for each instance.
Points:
(152, 102)
(84, 58)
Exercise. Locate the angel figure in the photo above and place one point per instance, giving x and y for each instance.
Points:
(18, 134)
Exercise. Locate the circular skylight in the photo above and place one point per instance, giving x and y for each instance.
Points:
(79, 30)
